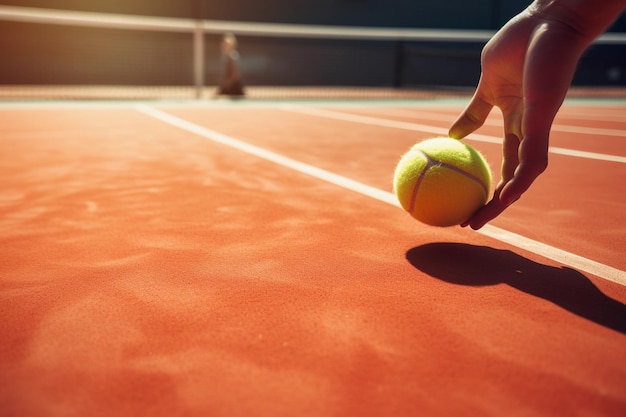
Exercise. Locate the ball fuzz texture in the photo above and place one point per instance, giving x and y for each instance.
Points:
(442, 181)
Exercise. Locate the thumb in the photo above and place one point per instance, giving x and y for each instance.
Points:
(472, 117)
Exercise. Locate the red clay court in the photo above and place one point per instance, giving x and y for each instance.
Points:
(218, 258)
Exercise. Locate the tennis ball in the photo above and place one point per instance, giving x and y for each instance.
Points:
(442, 181)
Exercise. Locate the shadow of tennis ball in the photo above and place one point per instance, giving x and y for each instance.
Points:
(471, 265)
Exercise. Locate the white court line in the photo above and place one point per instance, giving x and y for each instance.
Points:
(491, 121)
(376, 121)
(555, 254)
(611, 114)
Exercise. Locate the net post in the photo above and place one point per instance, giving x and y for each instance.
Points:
(198, 58)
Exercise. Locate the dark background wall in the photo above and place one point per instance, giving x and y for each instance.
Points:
(461, 14)
(396, 13)
(45, 54)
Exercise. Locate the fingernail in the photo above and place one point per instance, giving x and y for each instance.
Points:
(477, 226)
(454, 134)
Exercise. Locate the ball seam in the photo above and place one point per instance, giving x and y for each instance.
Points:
(430, 162)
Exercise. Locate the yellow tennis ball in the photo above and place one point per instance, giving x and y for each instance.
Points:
(442, 181)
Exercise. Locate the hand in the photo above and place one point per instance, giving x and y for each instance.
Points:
(527, 68)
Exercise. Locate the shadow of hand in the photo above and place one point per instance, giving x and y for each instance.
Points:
(480, 265)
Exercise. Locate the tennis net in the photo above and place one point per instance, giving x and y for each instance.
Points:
(69, 54)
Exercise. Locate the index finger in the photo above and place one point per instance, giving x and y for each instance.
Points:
(472, 117)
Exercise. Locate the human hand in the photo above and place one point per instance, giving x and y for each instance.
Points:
(527, 68)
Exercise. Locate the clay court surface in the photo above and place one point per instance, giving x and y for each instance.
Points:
(247, 258)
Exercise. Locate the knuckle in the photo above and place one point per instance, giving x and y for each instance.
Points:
(536, 166)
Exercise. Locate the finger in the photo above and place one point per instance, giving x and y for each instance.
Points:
(496, 206)
(472, 117)
(532, 155)
(533, 161)
(513, 115)
(486, 213)
(510, 161)
(510, 158)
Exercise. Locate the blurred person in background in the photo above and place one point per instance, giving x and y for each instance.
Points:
(230, 83)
